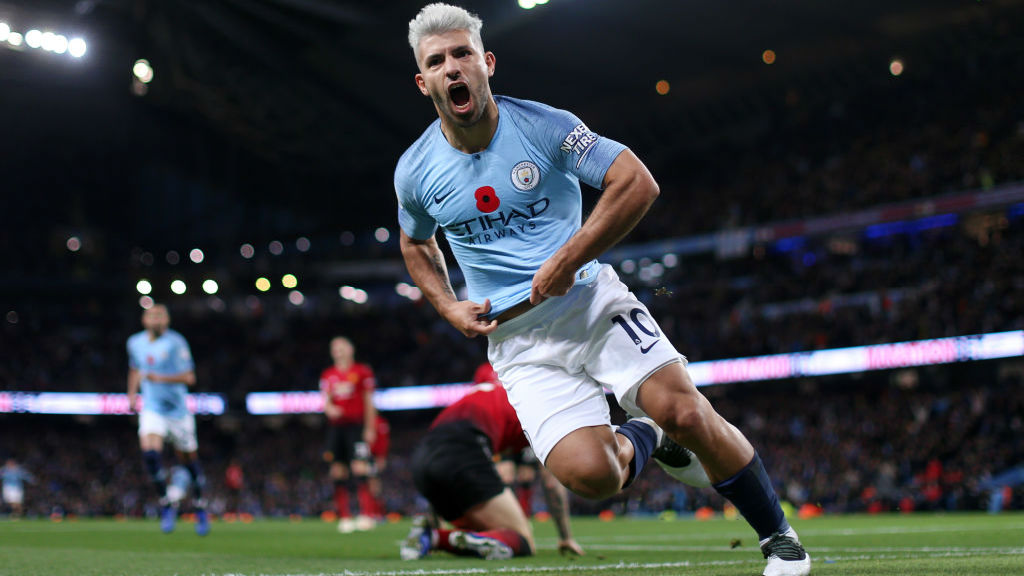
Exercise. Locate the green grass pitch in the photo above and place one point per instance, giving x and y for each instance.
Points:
(925, 544)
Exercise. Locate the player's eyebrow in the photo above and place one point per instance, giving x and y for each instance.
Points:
(432, 56)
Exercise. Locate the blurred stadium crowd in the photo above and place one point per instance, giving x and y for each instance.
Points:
(913, 439)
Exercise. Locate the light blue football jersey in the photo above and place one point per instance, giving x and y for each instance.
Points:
(168, 354)
(507, 209)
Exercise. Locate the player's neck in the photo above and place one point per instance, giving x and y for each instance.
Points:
(153, 334)
(343, 365)
(475, 138)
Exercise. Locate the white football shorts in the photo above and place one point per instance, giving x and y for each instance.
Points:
(180, 432)
(556, 359)
(13, 494)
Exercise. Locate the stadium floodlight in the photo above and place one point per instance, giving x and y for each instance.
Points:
(5, 31)
(210, 286)
(527, 4)
(144, 287)
(34, 38)
(60, 44)
(49, 42)
(76, 47)
(14, 39)
(178, 287)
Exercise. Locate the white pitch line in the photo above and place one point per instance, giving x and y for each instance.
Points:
(804, 532)
(818, 549)
(966, 553)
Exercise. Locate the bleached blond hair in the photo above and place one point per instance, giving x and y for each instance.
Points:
(439, 18)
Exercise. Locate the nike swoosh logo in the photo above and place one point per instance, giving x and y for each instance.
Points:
(440, 198)
(644, 350)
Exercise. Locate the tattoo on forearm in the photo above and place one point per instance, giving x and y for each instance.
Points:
(439, 268)
(558, 505)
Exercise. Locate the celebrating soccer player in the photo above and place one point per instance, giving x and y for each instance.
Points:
(160, 364)
(501, 177)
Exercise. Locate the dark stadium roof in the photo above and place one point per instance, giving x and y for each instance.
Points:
(301, 104)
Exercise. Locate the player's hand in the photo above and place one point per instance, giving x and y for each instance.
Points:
(369, 436)
(132, 399)
(469, 318)
(553, 279)
(570, 548)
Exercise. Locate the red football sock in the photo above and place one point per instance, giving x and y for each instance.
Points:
(366, 504)
(524, 492)
(341, 500)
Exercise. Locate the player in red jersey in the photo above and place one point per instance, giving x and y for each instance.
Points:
(347, 388)
(453, 469)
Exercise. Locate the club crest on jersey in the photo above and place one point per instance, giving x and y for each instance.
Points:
(525, 175)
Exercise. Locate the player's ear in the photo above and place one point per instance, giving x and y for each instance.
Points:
(489, 60)
(422, 84)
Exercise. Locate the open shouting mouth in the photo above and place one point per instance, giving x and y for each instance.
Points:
(460, 97)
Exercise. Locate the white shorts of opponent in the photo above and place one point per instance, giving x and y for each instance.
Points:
(179, 432)
(556, 359)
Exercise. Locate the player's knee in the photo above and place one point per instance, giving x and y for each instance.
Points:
(685, 419)
(594, 476)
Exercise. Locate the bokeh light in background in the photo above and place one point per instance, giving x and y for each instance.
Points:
(296, 297)
(768, 56)
(143, 71)
(382, 235)
(210, 286)
(74, 244)
(247, 251)
(662, 87)
(411, 292)
(302, 244)
(276, 248)
(289, 281)
(896, 67)
(353, 294)
(173, 257)
(262, 284)
(196, 255)
(178, 287)
(146, 302)
(144, 287)
(12, 317)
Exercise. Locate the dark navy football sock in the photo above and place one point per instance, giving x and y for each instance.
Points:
(751, 491)
(198, 479)
(644, 438)
(154, 467)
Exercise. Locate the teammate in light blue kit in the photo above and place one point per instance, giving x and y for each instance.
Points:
(160, 363)
(501, 177)
(14, 478)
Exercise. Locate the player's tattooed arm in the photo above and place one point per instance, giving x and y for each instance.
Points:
(557, 498)
(426, 265)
